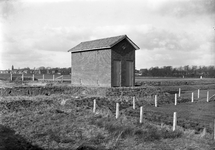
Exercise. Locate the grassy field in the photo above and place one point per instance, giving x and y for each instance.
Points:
(48, 123)
(66, 122)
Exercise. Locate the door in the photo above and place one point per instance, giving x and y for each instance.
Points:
(129, 73)
(116, 73)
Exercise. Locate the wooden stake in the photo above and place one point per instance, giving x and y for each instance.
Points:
(141, 114)
(43, 77)
(133, 102)
(179, 92)
(62, 79)
(53, 77)
(22, 76)
(94, 105)
(198, 93)
(214, 130)
(207, 96)
(117, 110)
(156, 101)
(11, 77)
(192, 98)
(174, 121)
(1, 119)
(33, 77)
(175, 99)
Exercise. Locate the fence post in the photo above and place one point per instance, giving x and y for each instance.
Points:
(214, 130)
(33, 77)
(192, 98)
(156, 101)
(94, 105)
(134, 102)
(22, 77)
(198, 93)
(0, 118)
(43, 77)
(117, 110)
(141, 114)
(62, 79)
(179, 92)
(174, 121)
(11, 77)
(207, 96)
(53, 77)
(175, 99)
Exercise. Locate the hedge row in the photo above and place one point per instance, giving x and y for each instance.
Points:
(175, 82)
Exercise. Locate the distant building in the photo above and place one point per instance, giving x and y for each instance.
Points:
(104, 62)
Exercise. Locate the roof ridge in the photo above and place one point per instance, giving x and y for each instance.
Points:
(102, 43)
(104, 38)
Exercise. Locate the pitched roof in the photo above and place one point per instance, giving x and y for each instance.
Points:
(104, 43)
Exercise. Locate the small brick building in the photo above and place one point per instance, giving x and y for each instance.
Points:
(106, 62)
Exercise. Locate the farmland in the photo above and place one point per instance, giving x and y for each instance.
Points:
(64, 120)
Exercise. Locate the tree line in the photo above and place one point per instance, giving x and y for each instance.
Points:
(183, 71)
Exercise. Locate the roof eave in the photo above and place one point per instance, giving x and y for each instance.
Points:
(130, 41)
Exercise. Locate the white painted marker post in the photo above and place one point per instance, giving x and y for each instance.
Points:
(207, 96)
(22, 76)
(33, 77)
(179, 92)
(192, 98)
(62, 79)
(175, 99)
(43, 77)
(53, 77)
(156, 101)
(141, 114)
(133, 102)
(0, 118)
(198, 93)
(11, 77)
(174, 121)
(94, 105)
(117, 110)
(214, 130)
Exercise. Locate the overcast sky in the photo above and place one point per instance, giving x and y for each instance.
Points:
(36, 33)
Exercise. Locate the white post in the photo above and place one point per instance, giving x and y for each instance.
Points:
(175, 99)
(22, 76)
(33, 77)
(198, 93)
(1, 119)
(192, 98)
(94, 105)
(141, 114)
(134, 102)
(214, 130)
(117, 110)
(43, 77)
(156, 101)
(174, 121)
(62, 79)
(11, 77)
(207, 96)
(179, 92)
(53, 77)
